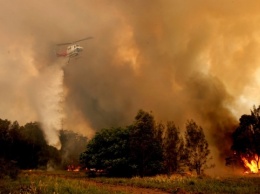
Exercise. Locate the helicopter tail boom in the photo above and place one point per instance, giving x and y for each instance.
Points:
(64, 54)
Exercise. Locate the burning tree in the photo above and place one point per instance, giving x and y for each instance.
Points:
(246, 140)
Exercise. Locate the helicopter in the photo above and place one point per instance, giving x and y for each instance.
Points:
(72, 50)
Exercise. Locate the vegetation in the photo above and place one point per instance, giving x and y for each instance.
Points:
(69, 182)
(145, 149)
(35, 183)
(192, 184)
(196, 147)
(109, 150)
(25, 147)
(72, 145)
(140, 150)
(173, 149)
(246, 137)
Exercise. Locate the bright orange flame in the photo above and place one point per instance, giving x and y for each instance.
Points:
(252, 165)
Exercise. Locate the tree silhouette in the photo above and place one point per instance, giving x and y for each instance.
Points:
(173, 147)
(196, 147)
(146, 152)
(246, 137)
(109, 151)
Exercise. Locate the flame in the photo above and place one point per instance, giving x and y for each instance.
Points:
(73, 168)
(252, 165)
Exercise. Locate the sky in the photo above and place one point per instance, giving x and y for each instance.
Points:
(179, 59)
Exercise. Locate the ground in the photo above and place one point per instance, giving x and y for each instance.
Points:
(62, 182)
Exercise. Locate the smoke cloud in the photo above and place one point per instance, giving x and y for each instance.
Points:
(180, 59)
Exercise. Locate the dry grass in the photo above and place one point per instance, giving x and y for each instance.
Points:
(39, 183)
(67, 182)
(192, 184)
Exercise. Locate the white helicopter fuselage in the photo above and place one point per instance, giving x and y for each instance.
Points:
(74, 50)
(71, 51)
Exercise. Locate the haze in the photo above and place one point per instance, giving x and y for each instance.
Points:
(179, 59)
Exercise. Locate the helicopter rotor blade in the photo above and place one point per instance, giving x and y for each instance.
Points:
(67, 43)
(83, 39)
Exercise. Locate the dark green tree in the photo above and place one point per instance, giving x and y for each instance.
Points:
(109, 151)
(34, 143)
(35, 152)
(146, 149)
(5, 138)
(8, 166)
(25, 146)
(159, 130)
(196, 148)
(172, 148)
(16, 141)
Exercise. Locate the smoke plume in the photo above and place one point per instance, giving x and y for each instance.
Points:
(180, 59)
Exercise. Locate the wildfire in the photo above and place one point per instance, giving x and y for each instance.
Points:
(73, 168)
(252, 165)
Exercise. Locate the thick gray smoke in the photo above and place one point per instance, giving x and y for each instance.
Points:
(180, 59)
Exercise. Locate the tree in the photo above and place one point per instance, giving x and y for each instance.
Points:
(34, 150)
(25, 146)
(196, 147)
(5, 139)
(109, 151)
(246, 137)
(72, 145)
(159, 130)
(33, 142)
(146, 152)
(10, 137)
(172, 148)
(8, 166)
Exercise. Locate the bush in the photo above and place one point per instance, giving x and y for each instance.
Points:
(8, 168)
